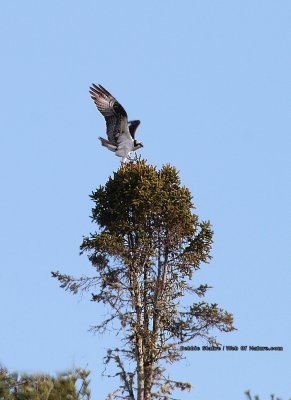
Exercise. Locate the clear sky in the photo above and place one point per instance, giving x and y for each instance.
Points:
(210, 82)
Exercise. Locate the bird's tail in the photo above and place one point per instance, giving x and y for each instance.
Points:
(107, 144)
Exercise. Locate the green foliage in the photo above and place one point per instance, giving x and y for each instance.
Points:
(144, 205)
(71, 385)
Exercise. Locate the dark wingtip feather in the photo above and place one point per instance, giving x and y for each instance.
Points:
(134, 122)
(105, 91)
(100, 90)
(133, 125)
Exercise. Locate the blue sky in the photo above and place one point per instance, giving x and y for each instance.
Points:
(210, 82)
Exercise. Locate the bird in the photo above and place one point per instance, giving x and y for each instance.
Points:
(120, 132)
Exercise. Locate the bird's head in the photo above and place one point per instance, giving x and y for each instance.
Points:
(137, 145)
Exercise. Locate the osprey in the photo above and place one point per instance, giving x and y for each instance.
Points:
(120, 131)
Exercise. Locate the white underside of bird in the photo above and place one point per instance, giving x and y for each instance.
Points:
(123, 149)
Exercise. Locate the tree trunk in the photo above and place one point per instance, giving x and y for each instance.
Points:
(137, 304)
(149, 375)
(140, 369)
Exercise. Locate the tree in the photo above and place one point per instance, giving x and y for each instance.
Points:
(70, 385)
(146, 249)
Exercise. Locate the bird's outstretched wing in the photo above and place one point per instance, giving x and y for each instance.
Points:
(132, 126)
(111, 109)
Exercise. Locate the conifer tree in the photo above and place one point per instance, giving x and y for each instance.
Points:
(147, 246)
(70, 385)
